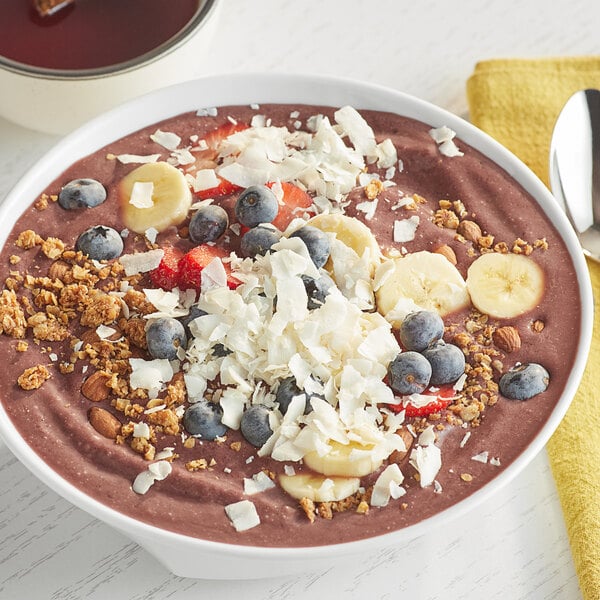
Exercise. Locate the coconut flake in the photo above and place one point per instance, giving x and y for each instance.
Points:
(387, 486)
(127, 159)
(427, 461)
(141, 262)
(141, 430)
(104, 332)
(141, 194)
(242, 515)
(166, 139)
(465, 439)
(155, 472)
(444, 137)
(205, 179)
(260, 482)
(405, 230)
(482, 457)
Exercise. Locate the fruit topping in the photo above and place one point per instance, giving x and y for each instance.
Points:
(317, 244)
(421, 406)
(293, 203)
(255, 205)
(258, 241)
(505, 285)
(287, 390)
(208, 224)
(224, 188)
(193, 262)
(203, 419)
(255, 425)
(409, 373)
(420, 280)
(319, 488)
(447, 362)
(164, 337)
(524, 381)
(345, 460)
(316, 290)
(420, 329)
(100, 243)
(155, 195)
(207, 156)
(166, 275)
(82, 193)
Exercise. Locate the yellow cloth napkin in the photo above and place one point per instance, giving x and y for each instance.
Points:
(517, 102)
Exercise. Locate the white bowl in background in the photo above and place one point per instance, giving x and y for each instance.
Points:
(192, 557)
(57, 101)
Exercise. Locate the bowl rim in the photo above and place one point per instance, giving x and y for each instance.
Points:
(205, 10)
(223, 90)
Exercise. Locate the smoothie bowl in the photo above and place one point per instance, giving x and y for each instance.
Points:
(260, 323)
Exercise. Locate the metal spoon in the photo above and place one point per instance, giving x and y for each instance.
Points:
(575, 166)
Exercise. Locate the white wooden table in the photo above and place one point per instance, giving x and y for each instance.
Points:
(515, 546)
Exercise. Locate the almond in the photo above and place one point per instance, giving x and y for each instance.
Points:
(507, 339)
(398, 456)
(469, 230)
(95, 387)
(104, 423)
(446, 251)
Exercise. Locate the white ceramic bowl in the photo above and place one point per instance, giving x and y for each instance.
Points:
(56, 101)
(191, 557)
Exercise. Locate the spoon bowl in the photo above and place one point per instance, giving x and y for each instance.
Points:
(575, 166)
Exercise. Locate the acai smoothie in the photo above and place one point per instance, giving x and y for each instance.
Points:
(282, 325)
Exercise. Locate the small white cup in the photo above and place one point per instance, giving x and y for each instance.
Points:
(56, 101)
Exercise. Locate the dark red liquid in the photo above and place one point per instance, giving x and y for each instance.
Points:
(89, 33)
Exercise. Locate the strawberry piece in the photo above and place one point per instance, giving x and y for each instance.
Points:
(192, 263)
(293, 198)
(207, 158)
(223, 189)
(439, 401)
(166, 275)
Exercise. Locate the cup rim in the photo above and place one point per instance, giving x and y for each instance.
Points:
(204, 11)
(281, 88)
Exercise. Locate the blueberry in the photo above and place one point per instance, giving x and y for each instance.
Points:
(409, 373)
(524, 381)
(420, 329)
(194, 313)
(317, 243)
(203, 419)
(255, 205)
(219, 351)
(255, 425)
(208, 224)
(100, 243)
(164, 337)
(82, 193)
(316, 290)
(258, 241)
(447, 362)
(288, 389)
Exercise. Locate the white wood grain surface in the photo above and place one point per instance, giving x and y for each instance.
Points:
(513, 547)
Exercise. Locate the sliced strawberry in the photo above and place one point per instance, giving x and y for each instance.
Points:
(440, 400)
(206, 159)
(192, 263)
(223, 189)
(293, 198)
(166, 275)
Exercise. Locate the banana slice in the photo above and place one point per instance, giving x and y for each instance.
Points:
(154, 195)
(319, 488)
(505, 285)
(351, 232)
(339, 460)
(420, 280)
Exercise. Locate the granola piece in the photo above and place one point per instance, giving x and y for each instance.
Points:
(33, 377)
(446, 218)
(373, 188)
(73, 295)
(166, 419)
(138, 303)
(135, 330)
(21, 346)
(308, 506)
(12, 316)
(144, 447)
(28, 239)
(101, 309)
(53, 247)
(199, 464)
(47, 328)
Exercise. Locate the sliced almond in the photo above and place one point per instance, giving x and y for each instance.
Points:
(104, 423)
